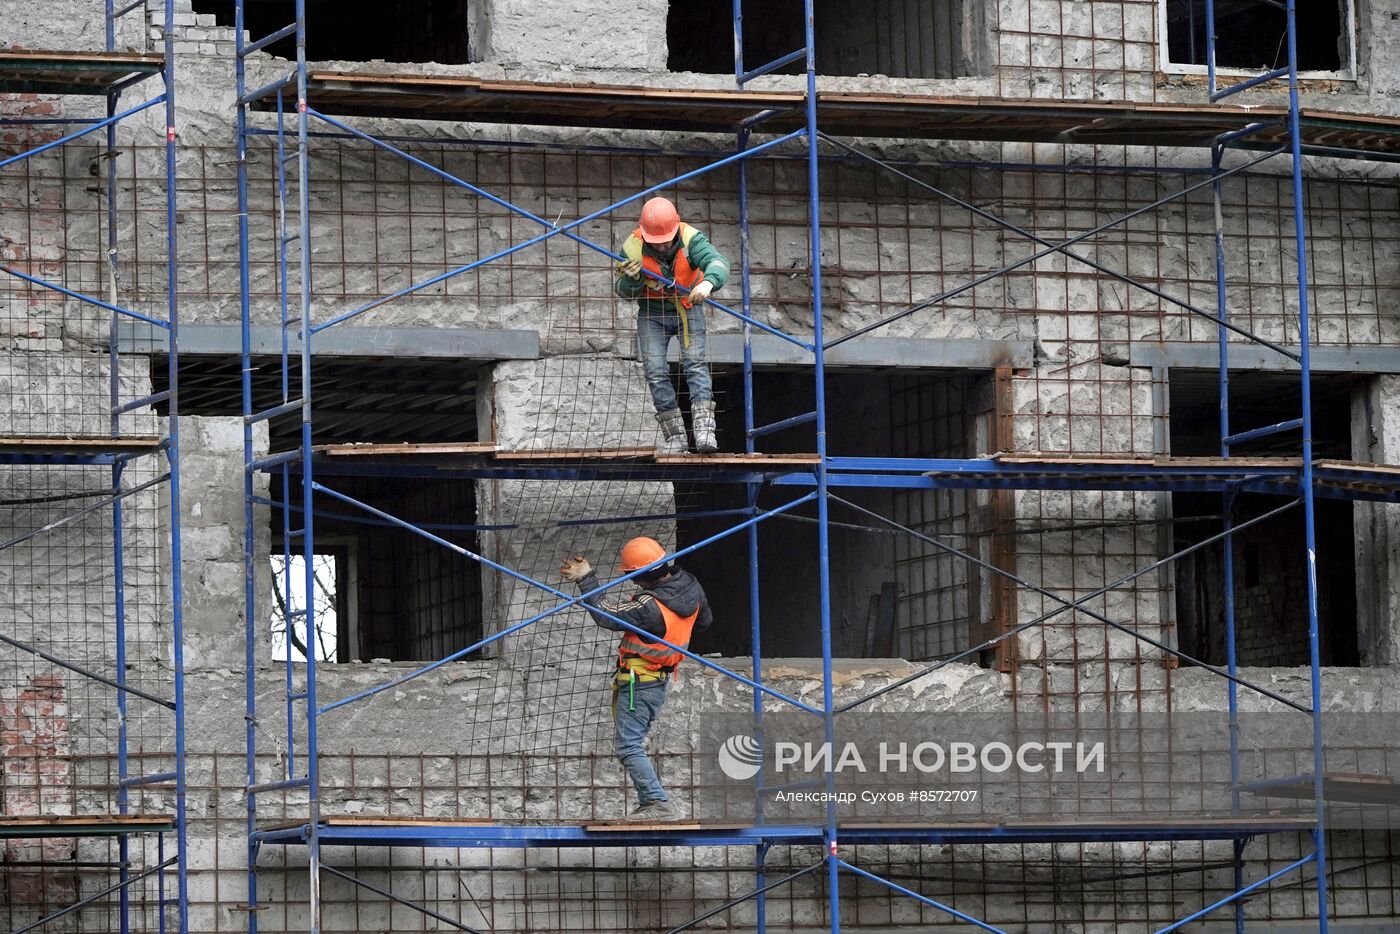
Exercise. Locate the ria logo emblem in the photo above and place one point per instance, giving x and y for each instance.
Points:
(740, 757)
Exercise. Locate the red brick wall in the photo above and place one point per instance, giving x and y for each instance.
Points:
(37, 780)
(33, 242)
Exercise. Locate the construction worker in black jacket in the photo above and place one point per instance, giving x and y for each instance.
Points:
(671, 605)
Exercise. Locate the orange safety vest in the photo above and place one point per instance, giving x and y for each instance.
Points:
(681, 272)
(633, 653)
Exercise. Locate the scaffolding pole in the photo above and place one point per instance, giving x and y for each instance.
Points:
(116, 451)
(825, 474)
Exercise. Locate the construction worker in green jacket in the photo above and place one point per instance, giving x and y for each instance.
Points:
(663, 245)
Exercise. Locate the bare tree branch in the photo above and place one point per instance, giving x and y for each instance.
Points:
(330, 604)
(286, 615)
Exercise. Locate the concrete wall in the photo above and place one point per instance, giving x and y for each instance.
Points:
(418, 752)
(58, 573)
(376, 228)
(1374, 438)
(212, 537)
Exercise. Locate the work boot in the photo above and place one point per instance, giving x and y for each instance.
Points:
(673, 432)
(652, 812)
(702, 417)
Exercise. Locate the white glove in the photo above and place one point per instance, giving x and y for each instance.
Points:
(632, 269)
(699, 293)
(575, 568)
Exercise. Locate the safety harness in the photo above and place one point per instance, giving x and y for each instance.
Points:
(638, 660)
(682, 273)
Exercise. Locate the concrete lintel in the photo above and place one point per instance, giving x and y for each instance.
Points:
(920, 353)
(449, 343)
(1203, 356)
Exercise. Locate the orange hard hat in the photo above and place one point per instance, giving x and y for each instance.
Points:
(638, 553)
(659, 221)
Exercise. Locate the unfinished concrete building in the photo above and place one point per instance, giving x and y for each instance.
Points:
(313, 371)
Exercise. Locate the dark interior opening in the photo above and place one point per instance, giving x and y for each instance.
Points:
(382, 592)
(1270, 569)
(1253, 35)
(377, 400)
(892, 595)
(899, 38)
(358, 30)
(399, 596)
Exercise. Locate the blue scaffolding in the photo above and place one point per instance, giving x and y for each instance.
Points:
(300, 97)
(110, 75)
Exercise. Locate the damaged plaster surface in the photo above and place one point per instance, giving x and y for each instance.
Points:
(480, 733)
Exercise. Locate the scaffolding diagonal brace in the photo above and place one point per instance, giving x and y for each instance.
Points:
(400, 900)
(1064, 250)
(944, 296)
(567, 601)
(1066, 605)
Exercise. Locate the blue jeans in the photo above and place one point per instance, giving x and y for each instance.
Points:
(657, 323)
(632, 727)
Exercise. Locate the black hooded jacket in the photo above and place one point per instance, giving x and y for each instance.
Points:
(681, 593)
